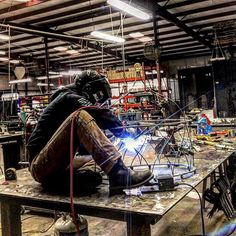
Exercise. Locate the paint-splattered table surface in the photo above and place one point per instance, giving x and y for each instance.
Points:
(25, 191)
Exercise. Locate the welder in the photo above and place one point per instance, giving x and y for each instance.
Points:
(49, 145)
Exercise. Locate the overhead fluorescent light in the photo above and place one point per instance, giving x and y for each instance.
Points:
(55, 76)
(4, 59)
(60, 48)
(129, 9)
(108, 37)
(72, 51)
(136, 35)
(4, 36)
(17, 81)
(15, 61)
(44, 84)
(50, 77)
(71, 72)
(145, 39)
(154, 72)
(2, 53)
(53, 73)
(218, 59)
(41, 77)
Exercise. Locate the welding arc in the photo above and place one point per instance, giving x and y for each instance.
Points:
(147, 130)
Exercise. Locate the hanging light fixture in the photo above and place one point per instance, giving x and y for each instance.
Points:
(13, 61)
(4, 37)
(217, 52)
(129, 9)
(18, 81)
(50, 77)
(71, 72)
(60, 48)
(4, 59)
(44, 85)
(105, 36)
(72, 50)
(145, 39)
(136, 35)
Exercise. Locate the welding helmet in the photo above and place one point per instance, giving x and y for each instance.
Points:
(95, 87)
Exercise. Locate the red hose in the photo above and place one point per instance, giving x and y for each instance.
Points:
(74, 215)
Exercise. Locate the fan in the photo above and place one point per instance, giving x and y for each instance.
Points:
(151, 51)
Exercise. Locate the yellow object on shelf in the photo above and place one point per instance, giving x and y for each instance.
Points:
(208, 138)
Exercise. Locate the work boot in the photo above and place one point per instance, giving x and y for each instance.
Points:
(120, 177)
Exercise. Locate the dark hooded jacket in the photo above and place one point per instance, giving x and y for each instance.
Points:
(64, 102)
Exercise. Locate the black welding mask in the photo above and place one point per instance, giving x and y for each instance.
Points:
(93, 86)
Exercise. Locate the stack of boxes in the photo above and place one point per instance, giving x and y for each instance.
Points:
(119, 74)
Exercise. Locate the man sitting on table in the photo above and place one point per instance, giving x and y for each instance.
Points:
(49, 144)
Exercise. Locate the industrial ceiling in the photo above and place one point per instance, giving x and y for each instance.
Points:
(184, 29)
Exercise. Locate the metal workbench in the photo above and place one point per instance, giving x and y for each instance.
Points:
(138, 212)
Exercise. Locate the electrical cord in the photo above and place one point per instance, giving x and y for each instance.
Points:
(49, 227)
(29, 217)
(73, 212)
(71, 175)
(42, 231)
(201, 207)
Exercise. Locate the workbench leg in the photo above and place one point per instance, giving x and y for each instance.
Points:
(204, 187)
(10, 219)
(138, 229)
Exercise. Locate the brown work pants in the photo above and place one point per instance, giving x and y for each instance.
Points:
(54, 158)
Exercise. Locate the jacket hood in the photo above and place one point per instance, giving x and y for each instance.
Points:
(67, 88)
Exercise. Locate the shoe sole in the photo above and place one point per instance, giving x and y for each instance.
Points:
(118, 190)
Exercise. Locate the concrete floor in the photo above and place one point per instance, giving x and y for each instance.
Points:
(183, 219)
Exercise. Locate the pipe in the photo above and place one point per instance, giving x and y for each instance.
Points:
(157, 44)
(123, 52)
(47, 63)
(47, 34)
(60, 36)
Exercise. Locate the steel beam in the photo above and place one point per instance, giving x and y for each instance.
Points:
(162, 12)
(15, 17)
(54, 34)
(73, 15)
(221, 14)
(19, 7)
